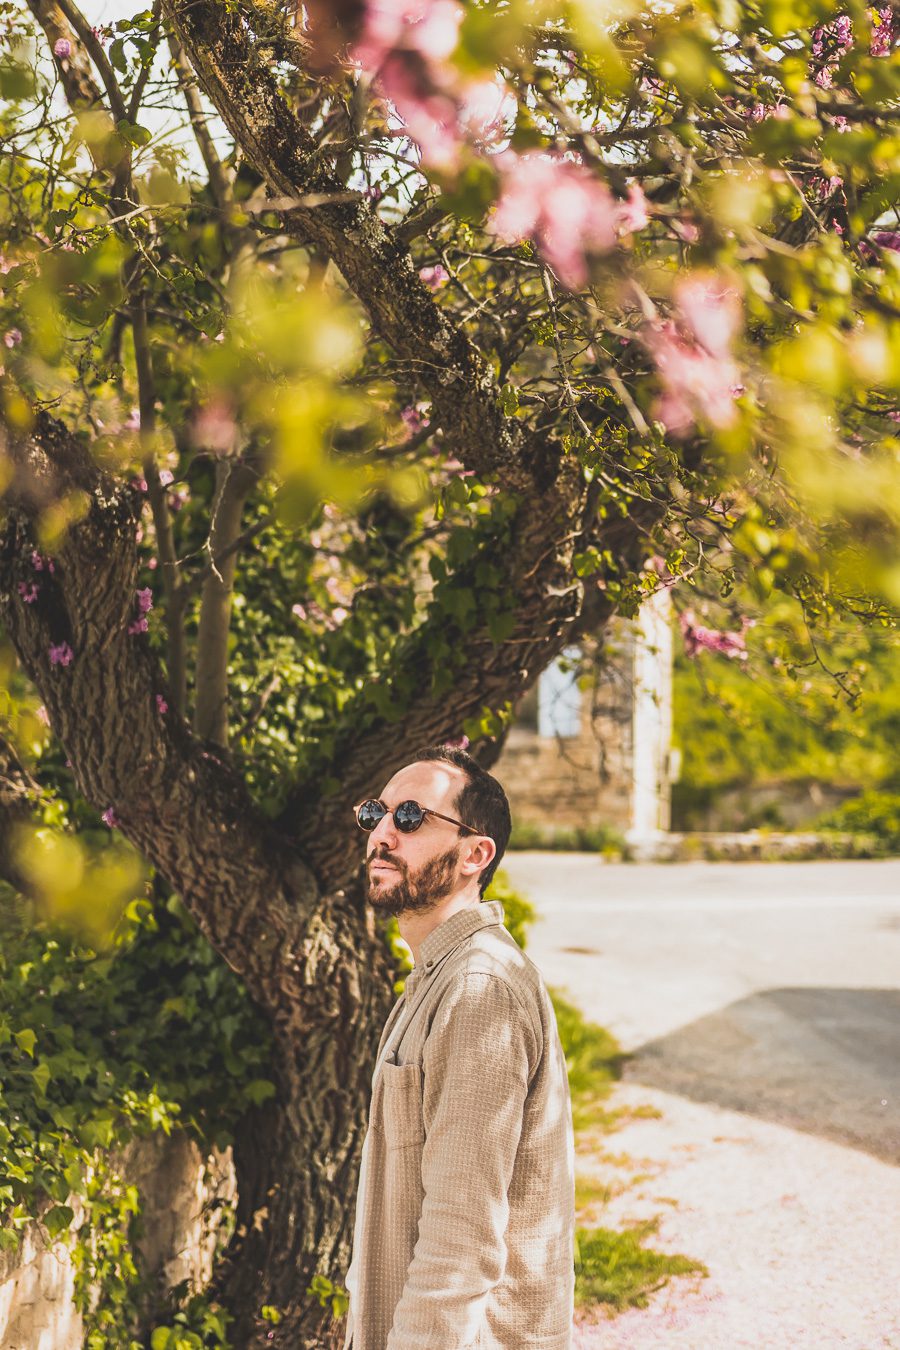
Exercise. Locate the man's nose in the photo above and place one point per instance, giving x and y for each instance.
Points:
(385, 832)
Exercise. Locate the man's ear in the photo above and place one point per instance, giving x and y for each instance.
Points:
(481, 855)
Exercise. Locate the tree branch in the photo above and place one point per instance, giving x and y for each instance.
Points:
(184, 808)
(234, 481)
(162, 519)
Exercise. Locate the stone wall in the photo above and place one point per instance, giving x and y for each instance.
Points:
(611, 769)
(181, 1193)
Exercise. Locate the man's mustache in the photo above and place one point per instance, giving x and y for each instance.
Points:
(382, 855)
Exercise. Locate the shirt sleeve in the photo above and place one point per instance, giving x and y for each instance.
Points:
(478, 1060)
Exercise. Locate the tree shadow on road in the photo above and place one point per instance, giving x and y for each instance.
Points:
(826, 1061)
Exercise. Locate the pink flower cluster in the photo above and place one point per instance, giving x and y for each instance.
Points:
(62, 48)
(692, 353)
(404, 44)
(564, 209)
(12, 337)
(162, 706)
(145, 604)
(882, 38)
(434, 277)
(110, 818)
(61, 654)
(698, 638)
(29, 591)
(415, 418)
(41, 564)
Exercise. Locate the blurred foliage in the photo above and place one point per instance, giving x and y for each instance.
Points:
(827, 711)
(602, 839)
(873, 813)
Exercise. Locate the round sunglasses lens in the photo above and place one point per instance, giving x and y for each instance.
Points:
(408, 816)
(369, 814)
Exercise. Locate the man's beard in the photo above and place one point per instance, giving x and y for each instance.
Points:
(416, 892)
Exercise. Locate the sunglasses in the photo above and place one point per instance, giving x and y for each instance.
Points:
(408, 816)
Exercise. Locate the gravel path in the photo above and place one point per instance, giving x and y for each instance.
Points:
(801, 1236)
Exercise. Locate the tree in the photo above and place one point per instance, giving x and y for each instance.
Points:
(461, 329)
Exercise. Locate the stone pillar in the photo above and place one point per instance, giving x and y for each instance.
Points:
(651, 723)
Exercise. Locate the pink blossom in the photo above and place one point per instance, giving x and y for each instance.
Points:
(882, 32)
(29, 591)
(62, 48)
(434, 277)
(42, 715)
(139, 484)
(161, 704)
(695, 382)
(153, 563)
(39, 563)
(178, 498)
(889, 239)
(698, 638)
(427, 27)
(110, 818)
(429, 114)
(214, 427)
(140, 625)
(339, 614)
(61, 654)
(459, 743)
(487, 108)
(133, 420)
(415, 418)
(144, 600)
(560, 205)
(12, 337)
(166, 476)
(300, 611)
(633, 212)
(709, 309)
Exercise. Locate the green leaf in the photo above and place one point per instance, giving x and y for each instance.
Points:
(41, 1075)
(133, 133)
(26, 1041)
(58, 1219)
(259, 1090)
(117, 55)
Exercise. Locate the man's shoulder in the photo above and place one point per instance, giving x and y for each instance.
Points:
(492, 951)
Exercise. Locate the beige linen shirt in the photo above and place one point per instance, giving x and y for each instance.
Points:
(465, 1211)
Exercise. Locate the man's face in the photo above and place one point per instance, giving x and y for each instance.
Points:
(413, 872)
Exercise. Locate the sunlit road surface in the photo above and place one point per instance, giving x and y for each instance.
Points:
(760, 1005)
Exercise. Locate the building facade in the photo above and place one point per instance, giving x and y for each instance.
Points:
(591, 744)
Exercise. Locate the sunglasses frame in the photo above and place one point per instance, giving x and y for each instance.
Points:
(426, 811)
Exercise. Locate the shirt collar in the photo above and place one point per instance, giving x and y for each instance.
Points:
(455, 930)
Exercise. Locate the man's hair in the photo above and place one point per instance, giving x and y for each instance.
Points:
(480, 803)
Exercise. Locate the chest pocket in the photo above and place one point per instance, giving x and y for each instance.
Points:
(402, 1105)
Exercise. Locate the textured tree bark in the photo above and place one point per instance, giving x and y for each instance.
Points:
(297, 1163)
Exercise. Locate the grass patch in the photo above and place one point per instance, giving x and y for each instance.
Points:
(594, 1061)
(612, 1268)
(617, 1270)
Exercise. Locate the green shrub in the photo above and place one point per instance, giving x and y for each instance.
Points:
(873, 813)
(582, 839)
(518, 912)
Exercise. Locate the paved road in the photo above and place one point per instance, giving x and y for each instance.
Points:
(762, 987)
(761, 1007)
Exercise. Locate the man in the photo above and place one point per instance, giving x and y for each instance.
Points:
(465, 1210)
